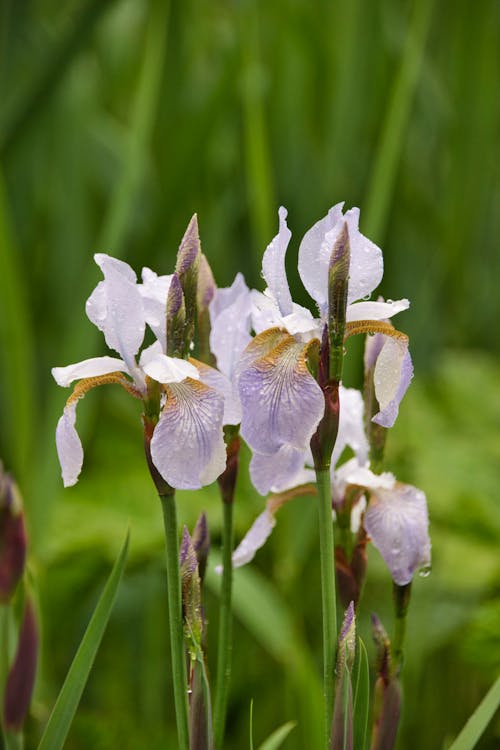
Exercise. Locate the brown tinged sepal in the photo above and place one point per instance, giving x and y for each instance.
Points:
(21, 677)
(388, 695)
(227, 480)
(342, 726)
(12, 537)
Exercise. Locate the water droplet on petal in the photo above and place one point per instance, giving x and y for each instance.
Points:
(425, 570)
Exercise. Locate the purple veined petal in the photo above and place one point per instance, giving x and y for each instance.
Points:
(187, 446)
(279, 471)
(87, 368)
(254, 539)
(154, 292)
(166, 369)
(375, 310)
(391, 378)
(225, 296)
(367, 265)
(69, 447)
(351, 426)
(260, 346)
(314, 256)
(117, 309)
(398, 524)
(230, 328)
(281, 401)
(227, 388)
(273, 265)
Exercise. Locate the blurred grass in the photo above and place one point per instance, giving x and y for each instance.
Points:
(113, 131)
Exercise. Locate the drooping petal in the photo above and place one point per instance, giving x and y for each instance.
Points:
(230, 324)
(279, 471)
(187, 446)
(166, 369)
(227, 388)
(273, 266)
(282, 403)
(351, 426)
(354, 473)
(391, 378)
(69, 447)
(116, 308)
(88, 368)
(254, 539)
(314, 255)
(398, 524)
(375, 310)
(154, 292)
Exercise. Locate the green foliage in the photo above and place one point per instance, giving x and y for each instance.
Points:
(472, 731)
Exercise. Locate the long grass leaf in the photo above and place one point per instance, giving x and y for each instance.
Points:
(361, 697)
(277, 738)
(479, 720)
(67, 702)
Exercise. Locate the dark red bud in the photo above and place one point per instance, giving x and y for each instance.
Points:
(21, 677)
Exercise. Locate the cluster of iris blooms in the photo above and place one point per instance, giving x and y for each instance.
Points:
(231, 362)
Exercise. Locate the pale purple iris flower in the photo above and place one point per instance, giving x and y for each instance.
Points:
(187, 445)
(282, 403)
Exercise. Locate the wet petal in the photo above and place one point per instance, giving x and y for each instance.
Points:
(154, 292)
(165, 369)
(254, 539)
(392, 376)
(116, 308)
(230, 325)
(375, 310)
(282, 403)
(351, 426)
(227, 388)
(88, 368)
(273, 265)
(279, 471)
(367, 265)
(187, 446)
(397, 522)
(69, 447)
(314, 255)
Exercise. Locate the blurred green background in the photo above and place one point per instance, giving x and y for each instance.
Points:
(118, 120)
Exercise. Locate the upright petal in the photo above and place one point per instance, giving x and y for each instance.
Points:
(187, 446)
(282, 403)
(117, 309)
(392, 376)
(69, 447)
(314, 255)
(398, 524)
(367, 265)
(230, 324)
(88, 368)
(154, 291)
(273, 265)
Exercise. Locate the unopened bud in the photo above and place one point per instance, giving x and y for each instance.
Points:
(21, 678)
(338, 285)
(176, 319)
(188, 261)
(12, 536)
(205, 294)
(191, 593)
(201, 543)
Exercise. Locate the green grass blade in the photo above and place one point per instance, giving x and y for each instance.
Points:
(361, 697)
(277, 738)
(251, 725)
(67, 702)
(479, 720)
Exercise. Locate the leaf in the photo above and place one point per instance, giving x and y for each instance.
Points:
(251, 724)
(276, 739)
(67, 702)
(361, 697)
(479, 720)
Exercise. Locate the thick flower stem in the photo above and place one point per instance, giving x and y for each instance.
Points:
(401, 596)
(175, 619)
(328, 595)
(225, 628)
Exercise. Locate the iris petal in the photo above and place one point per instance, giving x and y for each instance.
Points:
(397, 522)
(87, 368)
(227, 388)
(314, 256)
(375, 310)
(282, 403)
(392, 376)
(230, 325)
(279, 471)
(187, 446)
(254, 539)
(273, 266)
(69, 447)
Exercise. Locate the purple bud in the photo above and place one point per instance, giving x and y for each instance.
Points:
(21, 677)
(206, 284)
(175, 297)
(201, 543)
(12, 537)
(189, 248)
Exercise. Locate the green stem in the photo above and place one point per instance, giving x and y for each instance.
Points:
(175, 619)
(328, 594)
(401, 596)
(14, 741)
(225, 628)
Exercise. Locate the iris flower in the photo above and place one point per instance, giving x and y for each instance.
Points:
(281, 401)
(187, 446)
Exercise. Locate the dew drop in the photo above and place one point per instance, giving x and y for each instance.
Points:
(425, 570)
(366, 297)
(390, 301)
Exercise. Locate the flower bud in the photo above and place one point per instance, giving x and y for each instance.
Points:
(205, 294)
(201, 544)
(191, 594)
(342, 727)
(338, 284)
(186, 268)
(176, 319)
(12, 536)
(21, 678)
